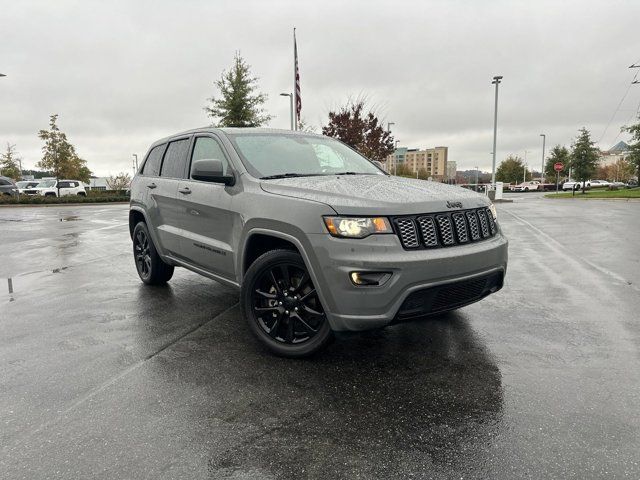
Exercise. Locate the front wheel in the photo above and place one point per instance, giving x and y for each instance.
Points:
(151, 269)
(282, 306)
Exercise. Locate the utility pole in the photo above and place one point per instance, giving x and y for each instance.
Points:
(496, 82)
(544, 141)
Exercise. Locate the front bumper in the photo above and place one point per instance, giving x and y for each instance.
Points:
(350, 307)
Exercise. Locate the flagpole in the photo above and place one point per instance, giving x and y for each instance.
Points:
(295, 93)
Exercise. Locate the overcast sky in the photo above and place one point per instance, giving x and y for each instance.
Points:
(123, 74)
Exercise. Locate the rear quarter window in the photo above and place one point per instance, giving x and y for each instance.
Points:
(174, 164)
(154, 159)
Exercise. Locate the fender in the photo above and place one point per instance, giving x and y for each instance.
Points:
(298, 244)
(152, 233)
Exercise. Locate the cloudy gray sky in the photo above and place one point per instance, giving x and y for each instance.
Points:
(122, 74)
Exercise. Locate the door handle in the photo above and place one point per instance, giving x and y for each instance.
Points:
(151, 185)
(185, 190)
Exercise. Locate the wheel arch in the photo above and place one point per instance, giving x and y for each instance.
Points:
(299, 247)
(136, 215)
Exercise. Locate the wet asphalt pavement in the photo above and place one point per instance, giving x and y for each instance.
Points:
(103, 377)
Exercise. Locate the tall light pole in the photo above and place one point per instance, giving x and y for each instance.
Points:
(524, 174)
(496, 82)
(290, 95)
(544, 141)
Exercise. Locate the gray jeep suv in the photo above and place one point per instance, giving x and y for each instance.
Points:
(316, 237)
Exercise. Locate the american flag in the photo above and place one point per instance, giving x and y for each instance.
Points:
(297, 79)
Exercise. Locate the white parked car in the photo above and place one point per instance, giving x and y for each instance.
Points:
(599, 183)
(26, 185)
(528, 186)
(571, 185)
(49, 188)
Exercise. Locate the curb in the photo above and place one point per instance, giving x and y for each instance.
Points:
(632, 200)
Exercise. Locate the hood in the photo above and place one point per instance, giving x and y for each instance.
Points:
(376, 194)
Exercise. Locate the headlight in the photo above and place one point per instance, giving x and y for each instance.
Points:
(492, 207)
(353, 227)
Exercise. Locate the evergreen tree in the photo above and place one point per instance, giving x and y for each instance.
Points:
(634, 157)
(238, 104)
(557, 154)
(59, 155)
(584, 157)
(9, 163)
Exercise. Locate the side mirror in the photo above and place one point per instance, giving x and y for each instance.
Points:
(210, 170)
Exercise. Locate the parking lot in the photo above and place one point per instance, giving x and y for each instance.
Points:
(103, 377)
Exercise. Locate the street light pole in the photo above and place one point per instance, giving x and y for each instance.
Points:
(544, 141)
(290, 95)
(496, 82)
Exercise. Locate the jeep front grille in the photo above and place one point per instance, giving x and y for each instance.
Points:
(445, 229)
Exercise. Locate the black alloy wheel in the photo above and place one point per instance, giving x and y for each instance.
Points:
(151, 269)
(282, 305)
(142, 254)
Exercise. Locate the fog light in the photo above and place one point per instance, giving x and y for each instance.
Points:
(369, 278)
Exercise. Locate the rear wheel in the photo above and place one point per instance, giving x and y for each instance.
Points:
(151, 269)
(282, 306)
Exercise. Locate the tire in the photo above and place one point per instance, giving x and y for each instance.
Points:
(82, 194)
(276, 285)
(50, 194)
(526, 189)
(150, 267)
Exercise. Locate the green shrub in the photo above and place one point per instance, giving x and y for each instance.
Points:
(40, 200)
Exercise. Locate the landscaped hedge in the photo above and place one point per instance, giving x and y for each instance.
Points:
(40, 200)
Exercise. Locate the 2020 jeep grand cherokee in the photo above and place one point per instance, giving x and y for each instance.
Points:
(316, 237)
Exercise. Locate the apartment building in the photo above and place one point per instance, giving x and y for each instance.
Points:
(433, 160)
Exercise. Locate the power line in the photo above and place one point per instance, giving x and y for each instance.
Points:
(620, 103)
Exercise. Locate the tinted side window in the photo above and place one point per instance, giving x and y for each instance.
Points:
(207, 147)
(174, 164)
(63, 185)
(152, 165)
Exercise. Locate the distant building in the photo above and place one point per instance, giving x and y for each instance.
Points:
(433, 160)
(97, 183)
(619, 151)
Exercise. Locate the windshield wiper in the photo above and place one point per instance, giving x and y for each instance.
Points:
(290, 175)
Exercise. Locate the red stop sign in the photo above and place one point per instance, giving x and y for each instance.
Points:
(558, 166)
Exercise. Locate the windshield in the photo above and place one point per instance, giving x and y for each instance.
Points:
(21, 184)
(269, 155)
(47, 184)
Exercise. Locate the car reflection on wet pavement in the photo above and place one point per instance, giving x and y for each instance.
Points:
(105, 377)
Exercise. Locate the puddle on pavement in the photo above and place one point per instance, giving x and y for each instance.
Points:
(24, 282)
